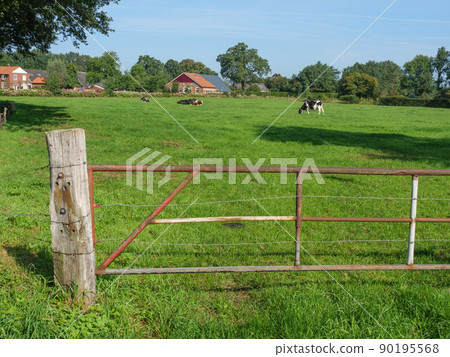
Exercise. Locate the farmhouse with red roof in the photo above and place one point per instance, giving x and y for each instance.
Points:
(198, 84)
(14, 77)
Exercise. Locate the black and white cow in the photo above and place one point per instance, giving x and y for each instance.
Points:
(192, 101)
(312, 104)
(144, 99)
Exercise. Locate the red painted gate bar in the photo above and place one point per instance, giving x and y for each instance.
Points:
(298, 218)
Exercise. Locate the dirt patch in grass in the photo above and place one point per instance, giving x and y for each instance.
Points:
(170, 143)
(26, 140)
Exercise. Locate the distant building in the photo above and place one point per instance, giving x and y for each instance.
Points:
(81, 76)
(98, 87)
(37, 77)
(262, 87)
(218, 82)
(14, 77)
(198, 84)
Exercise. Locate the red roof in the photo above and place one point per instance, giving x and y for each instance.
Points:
(194, 77)
(7, 69)
(39, 80)
(200, 80)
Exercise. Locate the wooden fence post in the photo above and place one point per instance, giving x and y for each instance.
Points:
(3, 117)
(72, 245)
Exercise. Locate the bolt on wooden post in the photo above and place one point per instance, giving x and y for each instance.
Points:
(72, 244)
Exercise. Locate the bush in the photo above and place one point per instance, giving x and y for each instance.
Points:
(11, 106)
(322, 95)
(414, 102)
(349, 99)
(359, 84)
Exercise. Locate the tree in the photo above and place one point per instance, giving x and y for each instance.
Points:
(388, 74)
(207, 70)
(57, 70)
(71, 77)
(441, 66)
(53, 84)
(100, 68)
(187, 65)
(277, 83)
(39, 23)
(33, 59)
(138, 72)
(242, 65)
(173, 68)
(295, 86)
(152, 66)
(110, 84)
(175, 87)
(191, 66)
(360, 84)
(418, 79)
(81, 61)
(319, 77)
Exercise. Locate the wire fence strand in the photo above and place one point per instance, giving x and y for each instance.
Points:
(272, 198)
(24, 171)
(25, 214)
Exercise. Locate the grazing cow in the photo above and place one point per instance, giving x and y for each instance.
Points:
(145, 99)
(192, 101)
(312, 104)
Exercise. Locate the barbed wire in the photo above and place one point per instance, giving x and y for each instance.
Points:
(24, 171)
(24, 214)
(39, 239)
(271, 198)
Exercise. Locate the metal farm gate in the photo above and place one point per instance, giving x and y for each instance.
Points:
(298, 218)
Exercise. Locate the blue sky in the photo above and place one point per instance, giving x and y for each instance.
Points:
(289, 34)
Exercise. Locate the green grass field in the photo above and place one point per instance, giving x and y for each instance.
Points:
(375, 304)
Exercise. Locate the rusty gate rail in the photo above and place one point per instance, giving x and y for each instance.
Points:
(298, 218)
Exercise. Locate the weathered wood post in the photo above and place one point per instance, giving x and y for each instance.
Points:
(3, 117)
(72, 245)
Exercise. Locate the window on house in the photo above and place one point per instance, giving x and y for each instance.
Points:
(3, 76)
(24, 77)
(15, 77)
(196, 90)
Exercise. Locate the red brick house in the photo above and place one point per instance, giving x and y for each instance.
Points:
(14, 77)
(192, 83)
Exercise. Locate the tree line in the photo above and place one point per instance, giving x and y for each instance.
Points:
(148, 72)
(422, 77)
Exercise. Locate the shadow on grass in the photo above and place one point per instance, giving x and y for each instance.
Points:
(393, 146)
(39, 263)
(30, 117)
